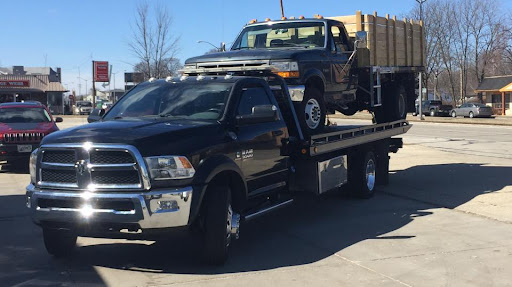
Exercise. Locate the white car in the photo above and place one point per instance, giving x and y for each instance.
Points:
(82, 108)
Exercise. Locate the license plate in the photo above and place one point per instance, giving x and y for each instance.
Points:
(24, 148)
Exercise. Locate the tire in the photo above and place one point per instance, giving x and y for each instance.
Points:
(312, 111)
(454, 114)
(217, 235)
(394, 105)
(432, 112)
(59, 243)
(362, 175)
(471, 115)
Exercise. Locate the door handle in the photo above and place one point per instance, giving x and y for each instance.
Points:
(277, 133)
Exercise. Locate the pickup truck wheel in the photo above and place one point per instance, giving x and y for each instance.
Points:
(432, 112)
(59, 243)
(394, 105)
(362, 176)
(217, 225)
(312, 111)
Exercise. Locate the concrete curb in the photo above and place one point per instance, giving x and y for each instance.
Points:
(495, 121)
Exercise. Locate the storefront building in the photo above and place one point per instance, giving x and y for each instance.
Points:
(32, 84)
(496, 92)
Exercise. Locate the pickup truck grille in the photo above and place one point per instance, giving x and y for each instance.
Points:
(232, 64)
(96, 167)
(23, 137)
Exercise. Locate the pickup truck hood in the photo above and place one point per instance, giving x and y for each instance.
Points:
(252, 54)
(26, 127)
(150, 137)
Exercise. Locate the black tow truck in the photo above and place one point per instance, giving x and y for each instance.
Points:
(204, 153)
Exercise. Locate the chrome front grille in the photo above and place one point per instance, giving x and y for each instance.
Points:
(92, 167)
(23, 137)
(232, 64)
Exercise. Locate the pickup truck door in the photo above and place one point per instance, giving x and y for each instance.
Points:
(340, 52)
(260, 144)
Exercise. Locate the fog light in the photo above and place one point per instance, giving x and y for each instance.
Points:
(168, 205)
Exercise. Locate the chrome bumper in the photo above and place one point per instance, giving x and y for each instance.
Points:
(155, 209)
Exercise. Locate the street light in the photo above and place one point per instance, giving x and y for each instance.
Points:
(222, 45)
(420, 97)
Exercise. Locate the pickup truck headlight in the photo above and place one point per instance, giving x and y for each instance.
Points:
(32, 166)
(286, 69)
(169, 167)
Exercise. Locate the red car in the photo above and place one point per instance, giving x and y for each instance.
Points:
(22, 127)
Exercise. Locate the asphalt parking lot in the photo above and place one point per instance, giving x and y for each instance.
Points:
(444, 220)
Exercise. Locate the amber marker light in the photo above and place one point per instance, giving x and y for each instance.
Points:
(295, 74)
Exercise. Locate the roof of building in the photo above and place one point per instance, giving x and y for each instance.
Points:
(37, 83)
(494, 83)
(27, 70)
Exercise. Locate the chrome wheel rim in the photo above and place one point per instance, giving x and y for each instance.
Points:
(229, 222)
(454, 115)
(370, 174)
(313, 113)
(471, 115)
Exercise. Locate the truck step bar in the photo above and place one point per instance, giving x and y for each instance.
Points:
(332, 141)
(267, 210)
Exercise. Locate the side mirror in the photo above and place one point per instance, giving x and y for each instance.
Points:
(260, 114)
(58, 120)
(361, 39)
(95, 115)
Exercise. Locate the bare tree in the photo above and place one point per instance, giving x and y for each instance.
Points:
(152, 42)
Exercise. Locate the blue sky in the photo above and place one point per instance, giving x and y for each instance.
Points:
(70, 34)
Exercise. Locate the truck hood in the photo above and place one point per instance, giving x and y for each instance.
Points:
(27, 127)
(150, 137)
(252, 54)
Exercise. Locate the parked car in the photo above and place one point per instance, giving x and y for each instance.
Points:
(434, 108)
(472, 110)
(82, 108)
(106, 105)
(22, 127)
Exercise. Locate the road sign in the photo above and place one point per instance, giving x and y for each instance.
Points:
(101, 71)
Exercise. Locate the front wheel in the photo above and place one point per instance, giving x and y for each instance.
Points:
(432, 112)
(59, 243)
(218, 225)
(454, 114)
(312, 111)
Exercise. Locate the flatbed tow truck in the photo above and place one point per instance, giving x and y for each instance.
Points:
(206, 153)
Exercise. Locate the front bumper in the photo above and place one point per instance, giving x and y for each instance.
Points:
(9, 152)
(146, 210)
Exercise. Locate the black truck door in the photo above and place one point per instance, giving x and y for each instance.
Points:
(260, 144)
(340, 52)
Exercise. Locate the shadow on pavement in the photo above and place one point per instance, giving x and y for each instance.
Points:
(311, 230)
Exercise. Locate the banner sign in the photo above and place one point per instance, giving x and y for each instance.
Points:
(101, 71)
(14, 83)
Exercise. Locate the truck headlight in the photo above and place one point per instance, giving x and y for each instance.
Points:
(286, 69)
(169, 167)
(32, 166)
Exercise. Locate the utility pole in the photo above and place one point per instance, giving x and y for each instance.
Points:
(282, 9)
(420, 97)
(93, 88)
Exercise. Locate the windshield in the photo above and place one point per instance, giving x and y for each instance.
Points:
(282, 35)
(193, 100)
(84, 104)
(24, 115)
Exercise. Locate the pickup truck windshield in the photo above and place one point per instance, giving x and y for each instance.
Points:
(24, 115)
(282, 36)
(194, 100)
